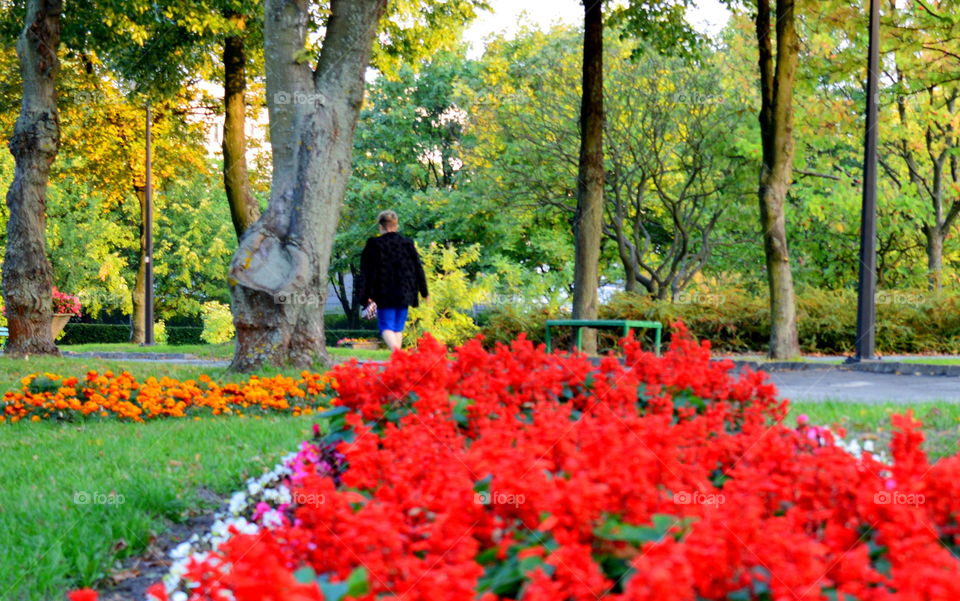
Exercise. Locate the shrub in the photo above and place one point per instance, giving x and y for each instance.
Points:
(177, 335)
(453, 294)
(217, 323)
(160, 332)
(95, 333)
(735, 320)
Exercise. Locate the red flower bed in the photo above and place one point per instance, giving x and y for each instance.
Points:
(521, 475)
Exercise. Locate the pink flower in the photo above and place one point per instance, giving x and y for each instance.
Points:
(261, 509)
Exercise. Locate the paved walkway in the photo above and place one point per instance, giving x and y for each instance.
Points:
(864, 387)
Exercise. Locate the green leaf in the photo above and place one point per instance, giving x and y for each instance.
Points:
(358, 584)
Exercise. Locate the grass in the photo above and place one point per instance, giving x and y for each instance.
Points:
(78, 498)
(933, 360)
(941, 421)
(11, 370)
(346, 353)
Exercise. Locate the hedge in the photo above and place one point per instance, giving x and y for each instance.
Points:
(184, 335)
(908, 321)
(334, 335)
(94, 333)
(108, 333)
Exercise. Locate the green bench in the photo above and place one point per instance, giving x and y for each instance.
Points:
(626, 324)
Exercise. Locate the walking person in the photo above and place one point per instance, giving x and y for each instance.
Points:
(392, 277)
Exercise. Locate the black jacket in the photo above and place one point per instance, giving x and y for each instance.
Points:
(391, 272)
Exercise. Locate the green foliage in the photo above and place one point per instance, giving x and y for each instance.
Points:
(217, 323)
(160, 332)
(86, 333)
(453, 294)
(505, 323)
(177, 335)
(735, 320)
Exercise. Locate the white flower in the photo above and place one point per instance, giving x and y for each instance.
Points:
(238, 501)
(180, 551)
(272, 519)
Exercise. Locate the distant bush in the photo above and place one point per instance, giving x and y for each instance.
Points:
(160, 332)
(94, 333)
(177, 335)
(453, 294)
(217, 323)
(908, 321)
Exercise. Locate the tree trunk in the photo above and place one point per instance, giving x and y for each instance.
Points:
(935, 237)
(777, 76)
(138, 320)
(27, 275)
(243, 206)
(589, 218)
(279, 274)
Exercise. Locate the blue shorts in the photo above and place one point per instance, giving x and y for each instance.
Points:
(391, 318)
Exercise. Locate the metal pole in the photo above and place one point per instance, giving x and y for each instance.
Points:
(148, 250)
(866, 301)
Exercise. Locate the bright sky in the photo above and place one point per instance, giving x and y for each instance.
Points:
(709, 16)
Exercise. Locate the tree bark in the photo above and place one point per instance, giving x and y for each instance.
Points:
(279, 273)
(243, 206)
(27, 275)
(138, 320)
(777, 76)
(588, 222)
(935, 237)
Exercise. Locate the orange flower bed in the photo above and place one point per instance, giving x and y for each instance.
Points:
(120, 396)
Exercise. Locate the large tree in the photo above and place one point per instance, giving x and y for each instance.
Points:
(27, 281)
(922, 150)
(778, 49)
(778, 72)
(279, 273)
(661, 23)
(588, 220)
(669, 151)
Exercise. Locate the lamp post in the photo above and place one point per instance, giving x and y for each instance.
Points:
(867, 290)
(148, 245)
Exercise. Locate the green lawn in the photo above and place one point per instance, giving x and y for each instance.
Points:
(12, 370)
(62, 522)
(933, 360)
(872, 422)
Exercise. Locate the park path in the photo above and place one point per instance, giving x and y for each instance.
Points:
(864, 387)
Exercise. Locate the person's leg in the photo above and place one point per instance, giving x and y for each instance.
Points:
(399, 322)
(383, 323)
(389, 337)
(390, 320)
